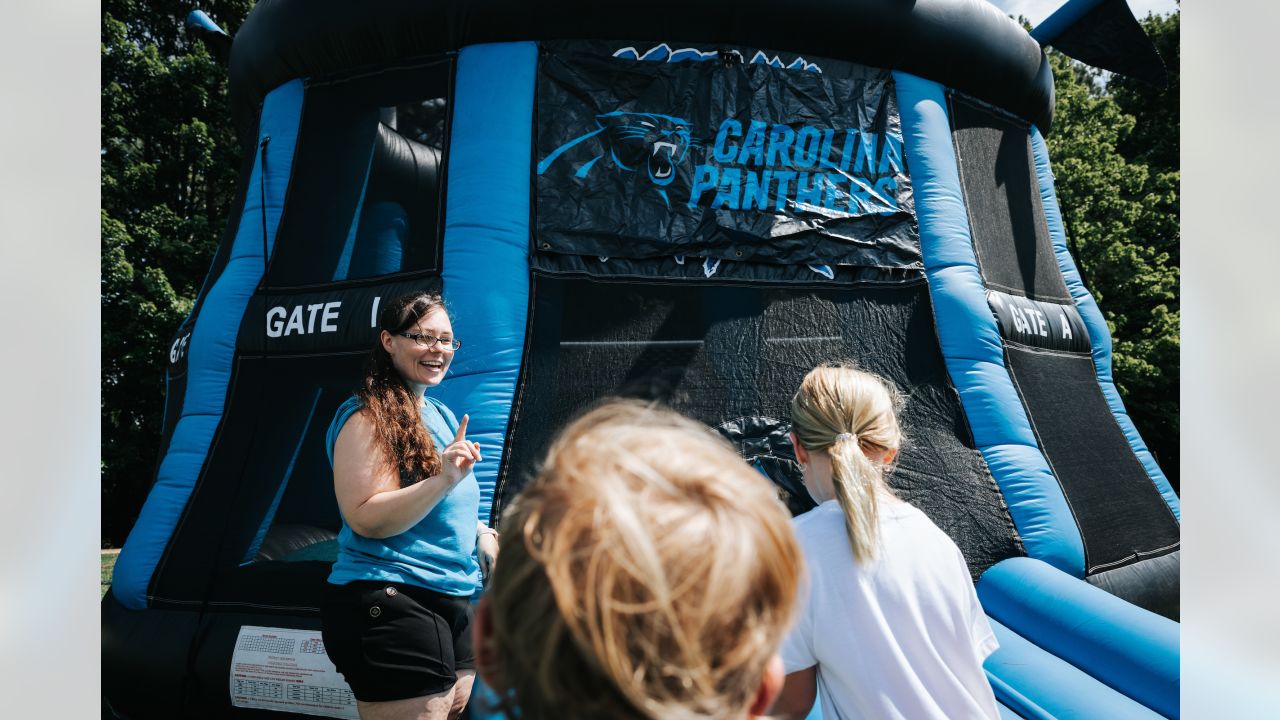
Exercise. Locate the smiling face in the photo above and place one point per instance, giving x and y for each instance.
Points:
(421, 366)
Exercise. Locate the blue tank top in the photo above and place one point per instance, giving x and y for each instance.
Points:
(439, 552)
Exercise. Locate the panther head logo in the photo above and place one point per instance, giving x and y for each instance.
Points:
(633, 142)
(658, 142)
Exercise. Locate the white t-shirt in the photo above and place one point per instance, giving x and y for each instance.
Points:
(903, 637)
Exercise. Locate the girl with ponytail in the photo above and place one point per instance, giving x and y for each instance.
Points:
(396, 621)
(891, 625)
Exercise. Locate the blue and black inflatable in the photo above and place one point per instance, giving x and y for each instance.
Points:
(696, 214)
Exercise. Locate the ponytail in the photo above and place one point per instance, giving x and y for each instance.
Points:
(856, 480)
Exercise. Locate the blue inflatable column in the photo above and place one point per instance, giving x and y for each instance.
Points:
(1129, 649)
(213, 348)
(970, 336)
(486, 241)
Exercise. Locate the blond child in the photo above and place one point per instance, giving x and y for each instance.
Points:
(647, 572)
(891, 626)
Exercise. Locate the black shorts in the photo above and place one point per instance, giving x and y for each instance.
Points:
(393, 641)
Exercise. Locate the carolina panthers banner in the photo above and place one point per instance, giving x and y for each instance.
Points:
(658, 151)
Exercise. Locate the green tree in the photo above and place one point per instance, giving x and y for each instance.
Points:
(1154, 140)
(169, 163)
(1115, 154)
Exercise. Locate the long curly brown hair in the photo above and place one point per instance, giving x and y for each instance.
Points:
(391, 405)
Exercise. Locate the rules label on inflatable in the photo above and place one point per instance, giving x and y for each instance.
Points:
(287, 670)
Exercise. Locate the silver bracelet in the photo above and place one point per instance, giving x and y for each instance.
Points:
(488, 531)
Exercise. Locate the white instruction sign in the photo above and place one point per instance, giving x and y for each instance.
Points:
(287, 670)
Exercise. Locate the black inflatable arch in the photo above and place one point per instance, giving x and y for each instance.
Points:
(969, 46)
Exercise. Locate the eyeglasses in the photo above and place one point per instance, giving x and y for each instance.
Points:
(429, 341)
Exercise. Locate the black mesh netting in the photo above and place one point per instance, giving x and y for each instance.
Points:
(365, 196)
(732, 357)
(1010, 237)
(267, 471)
(1122, 517)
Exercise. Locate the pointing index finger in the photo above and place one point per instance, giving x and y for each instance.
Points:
(461, 434)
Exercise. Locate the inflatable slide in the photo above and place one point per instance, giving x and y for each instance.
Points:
(692, 202)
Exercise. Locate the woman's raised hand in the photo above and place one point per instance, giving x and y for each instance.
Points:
(460, 455)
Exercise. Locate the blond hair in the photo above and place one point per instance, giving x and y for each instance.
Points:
(646, 572)
(845, 411)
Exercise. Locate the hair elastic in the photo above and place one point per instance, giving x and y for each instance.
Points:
(845, 436)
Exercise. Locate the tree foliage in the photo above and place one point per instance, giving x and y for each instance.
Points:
(1154, 140)
(169, 165)
(1115, 159)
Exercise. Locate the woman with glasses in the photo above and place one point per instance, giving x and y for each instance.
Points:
(397, 618)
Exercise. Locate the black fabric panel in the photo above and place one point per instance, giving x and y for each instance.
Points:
(1152, 584)
(724, 157)
(1122, 517)
(764, 442)
(731, 357)
(285, 539)
(1051, 326)
(331, 161)
(151, 644)
(1109, 37)
(698, 270)
(267, 410)
(971, 46)
(1002, 196)
(289, 588)
(342, 142)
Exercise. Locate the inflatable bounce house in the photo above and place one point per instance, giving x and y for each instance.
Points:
(691, 202)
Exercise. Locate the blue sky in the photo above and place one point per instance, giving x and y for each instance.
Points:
(1037, 10)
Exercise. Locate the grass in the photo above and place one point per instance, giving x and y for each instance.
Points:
(108, 566)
